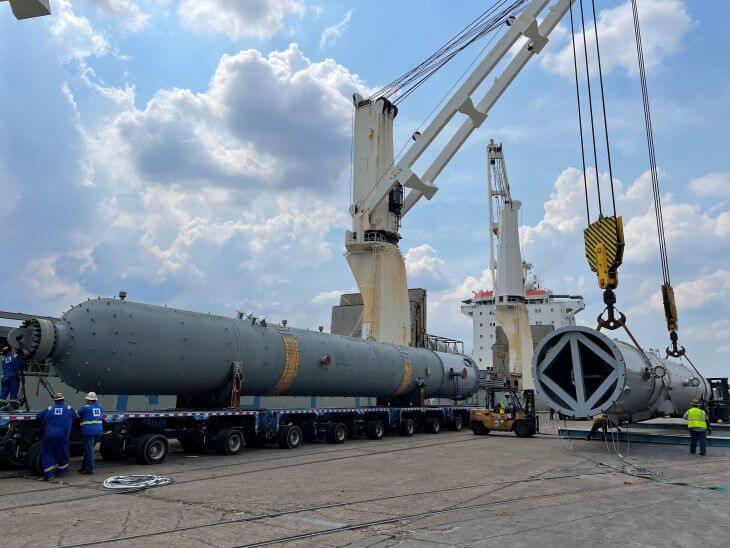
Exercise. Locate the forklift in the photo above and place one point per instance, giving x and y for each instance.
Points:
(507, 410)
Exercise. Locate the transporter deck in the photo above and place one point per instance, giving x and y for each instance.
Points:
(421, 491)
(145, 435)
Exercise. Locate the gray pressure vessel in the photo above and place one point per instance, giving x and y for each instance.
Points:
(119, 347)
(581, 373)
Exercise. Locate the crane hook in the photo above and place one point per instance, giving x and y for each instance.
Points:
(675, 351)
(611, 322)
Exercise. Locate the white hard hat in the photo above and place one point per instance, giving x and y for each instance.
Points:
(91, 396)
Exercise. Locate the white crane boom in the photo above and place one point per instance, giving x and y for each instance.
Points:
(378, 203)
(401, 172)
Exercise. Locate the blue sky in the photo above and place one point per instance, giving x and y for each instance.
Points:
(198, 156)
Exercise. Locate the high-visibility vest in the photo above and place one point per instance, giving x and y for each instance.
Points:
(696, 418)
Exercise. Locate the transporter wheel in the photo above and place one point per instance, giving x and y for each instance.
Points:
(10, 456)
(290, 437)
(433, 426)
(110, 449)
(336, 433)
(479, 429)
(408, 428)
(151, 449)
(375, 430)
(228, 442)
(457, 423)
(192, 442)
(33, 458)
(522, 429)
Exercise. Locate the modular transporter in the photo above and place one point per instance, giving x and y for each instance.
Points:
(209, 361)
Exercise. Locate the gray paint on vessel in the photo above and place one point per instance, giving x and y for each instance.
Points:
(113, 346)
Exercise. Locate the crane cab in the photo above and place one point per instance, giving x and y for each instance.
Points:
(507, 410)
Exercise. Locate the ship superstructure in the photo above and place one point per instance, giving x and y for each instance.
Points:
(546, 312)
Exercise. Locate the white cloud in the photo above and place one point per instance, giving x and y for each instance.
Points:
(694, 294)
(444, 307)
(46, 285)
(248, 131)
(424, 267)
(330, 298)
(718, 330)
(330, 35)
(126, 12)
(239, 19)
(73, 35)
(664, 23)
(712, 184)
(688, 228)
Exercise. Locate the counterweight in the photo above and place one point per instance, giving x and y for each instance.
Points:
(119, 347)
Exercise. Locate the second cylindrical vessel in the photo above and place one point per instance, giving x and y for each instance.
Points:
(581, 373)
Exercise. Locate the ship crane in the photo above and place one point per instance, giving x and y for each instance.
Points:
(379, 202)
(507, 268)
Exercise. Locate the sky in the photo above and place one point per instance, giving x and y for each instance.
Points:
(196, 153)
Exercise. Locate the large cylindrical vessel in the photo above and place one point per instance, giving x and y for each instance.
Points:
(120, 347)
(581, 373)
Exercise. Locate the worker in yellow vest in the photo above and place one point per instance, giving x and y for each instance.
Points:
(699, 427)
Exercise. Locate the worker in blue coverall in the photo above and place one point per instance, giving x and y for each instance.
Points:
(91, 428)
(56, 421)
(10, 384)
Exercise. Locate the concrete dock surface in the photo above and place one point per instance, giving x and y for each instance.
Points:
(449, 489)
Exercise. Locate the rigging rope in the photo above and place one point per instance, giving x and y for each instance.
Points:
(488, 21)
(580, 115)
(650, 144)
(590, 110)
(137, 482)
(603, 104)
(670, 308)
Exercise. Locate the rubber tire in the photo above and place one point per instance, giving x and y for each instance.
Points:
(522, 430)
(228, 442)
(336, 433)
(33, 458)
(433, 426)
(290, 437)
(192, 443)
(151, 449)
(110, 450)
(8, 458)
(408, 428)
(479, 429)
(375, 430)
(457, 423)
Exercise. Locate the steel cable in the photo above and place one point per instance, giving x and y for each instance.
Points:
(488, 21)
(650, 145)
(135, 482)
(580, 115)
(590, 110)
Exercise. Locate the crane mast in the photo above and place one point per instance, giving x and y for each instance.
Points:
(380, 180)
(507, 268)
